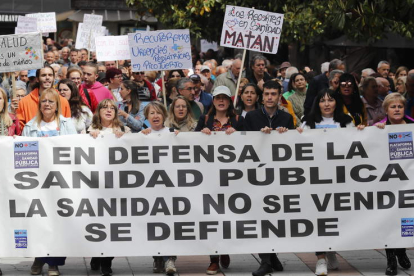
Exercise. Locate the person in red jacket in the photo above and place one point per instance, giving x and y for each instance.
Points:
(90, 74)
(29, 105)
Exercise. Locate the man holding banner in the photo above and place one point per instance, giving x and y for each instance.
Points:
(265, 120)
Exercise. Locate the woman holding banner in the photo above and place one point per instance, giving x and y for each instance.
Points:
(130, 110)
(156, 114)
(9, 124)
(47, 123)
(81, 114)
(394, 107)
(106, 121)
(327, 112)
(180, 115)
(221, 117)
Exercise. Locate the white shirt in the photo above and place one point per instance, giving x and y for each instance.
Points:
(326, 123)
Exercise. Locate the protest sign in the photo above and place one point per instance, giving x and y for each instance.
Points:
(85, 38)
(205, 45)
(92, 21)
(160, 50)
(191, 194)
(26, 25)
(251, 29)
(20, 52)
(46, 22)
(112, 48)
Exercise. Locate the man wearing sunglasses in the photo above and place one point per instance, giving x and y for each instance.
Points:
(147, 91)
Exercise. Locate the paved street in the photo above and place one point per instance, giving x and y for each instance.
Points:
(365, 262)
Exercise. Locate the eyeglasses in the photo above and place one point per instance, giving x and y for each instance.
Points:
(346, 84)
(48, 101)
(139, 73)
(189, 88)
(175, 76)
(118, 77)
(181, 106)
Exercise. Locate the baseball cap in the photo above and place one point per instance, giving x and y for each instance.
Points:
(31, 73)
(285, 64)
(222, 90)
(195, 77)
(205, 67)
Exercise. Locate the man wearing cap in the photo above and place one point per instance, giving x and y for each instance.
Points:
(199, 95)
(186, 88)
(206, 72)
(258, 74)
(266, 119)
(230, 78)
(282, 70)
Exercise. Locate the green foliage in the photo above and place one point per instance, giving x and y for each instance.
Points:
(304, 20)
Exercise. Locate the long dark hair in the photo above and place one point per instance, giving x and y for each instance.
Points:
(240, 104)
(229, 113)
(292, 80)
(315, 115)
(131, 85)
(75, 101)
(355, 97)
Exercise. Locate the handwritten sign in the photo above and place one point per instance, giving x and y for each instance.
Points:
(160, 50)
(112, 48)
(92, 21)
(251, 29)
(205, 45)
(26, 25)
(20, 52)
(46, 22)
(85, 37)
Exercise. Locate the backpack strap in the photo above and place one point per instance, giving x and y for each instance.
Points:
(87, 96)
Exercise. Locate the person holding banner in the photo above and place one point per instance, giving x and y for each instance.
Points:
(9, 124)
(29, 105)
(327, 112)
(47, 123)
(180, 116)
(394, 107)
(81, 114)
(220, 117)
(131, 111)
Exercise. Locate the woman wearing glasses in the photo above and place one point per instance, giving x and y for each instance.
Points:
(353, 105)
(47, 123)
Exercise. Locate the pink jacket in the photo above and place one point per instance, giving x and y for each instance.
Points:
(100, 91)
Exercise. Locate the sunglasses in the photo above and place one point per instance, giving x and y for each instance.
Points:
(139, 73)
(346, 84)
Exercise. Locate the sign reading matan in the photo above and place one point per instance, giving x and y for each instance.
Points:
(20, 52)
(251, 29)
(160, 50)
(190, 194)
(112, 48)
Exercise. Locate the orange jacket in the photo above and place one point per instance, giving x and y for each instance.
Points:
(29, 105)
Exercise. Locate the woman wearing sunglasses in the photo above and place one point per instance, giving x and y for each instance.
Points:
(353, 105)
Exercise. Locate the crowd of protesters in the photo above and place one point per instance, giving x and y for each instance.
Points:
(75, 94)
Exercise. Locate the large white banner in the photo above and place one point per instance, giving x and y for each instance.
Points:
(161, 194)
(110, 48)
(251, 29)
(160, 50)
(20, 52)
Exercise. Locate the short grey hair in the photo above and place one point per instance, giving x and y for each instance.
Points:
(257, 57)
(227, 63)
(333, 73)
(335, 63)
(382, 62)
(181, 83)
(324, 67)
(369, 71)
(290, 71)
